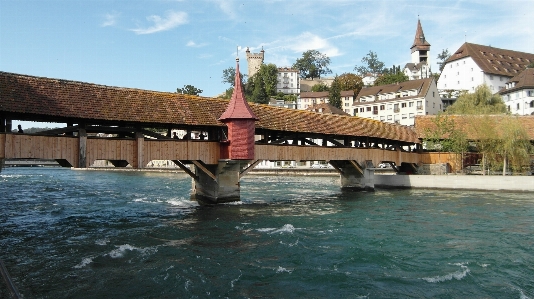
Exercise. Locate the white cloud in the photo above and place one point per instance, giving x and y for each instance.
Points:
(195, 45)
(110, 19)
(227, 6)
(171, 20)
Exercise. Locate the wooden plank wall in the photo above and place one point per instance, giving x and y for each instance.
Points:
(315, 153)
(206, 151)
(26, 146)
(452, 159)
(111, 149)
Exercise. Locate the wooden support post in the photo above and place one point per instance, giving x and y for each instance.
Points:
(8, 126)
(82, 137)
(140, 141)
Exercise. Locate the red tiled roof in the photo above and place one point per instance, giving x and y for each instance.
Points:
(326, 108)
(421, 85)
(494, 60)
(525, 79)
(238, 107)
(419, 40)
(56, 99)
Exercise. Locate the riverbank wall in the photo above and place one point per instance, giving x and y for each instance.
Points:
(457, 182)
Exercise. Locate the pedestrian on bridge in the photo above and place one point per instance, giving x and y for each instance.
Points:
(20, 129)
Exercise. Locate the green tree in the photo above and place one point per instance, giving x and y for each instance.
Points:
(334, 95)
(371, 65)
(229, 76)
(189, 89)
(320, 87)
(447, 137)
(386, 79)
(228, 93)
(482, 101)
(262, 85)
(515, 146)
(349, 81)
(442, 58)
(313, 64)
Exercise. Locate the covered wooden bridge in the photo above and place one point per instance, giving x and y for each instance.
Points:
(135, 116)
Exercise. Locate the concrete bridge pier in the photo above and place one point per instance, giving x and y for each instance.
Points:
(217, 183)
(355, 177)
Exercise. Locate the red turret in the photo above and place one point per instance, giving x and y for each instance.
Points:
(240, 121)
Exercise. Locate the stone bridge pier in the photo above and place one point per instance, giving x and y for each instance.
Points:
(355, 176)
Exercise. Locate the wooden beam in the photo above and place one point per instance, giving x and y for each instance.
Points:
(249, 168)
(357, 166)
(186, 169)
(201, 166)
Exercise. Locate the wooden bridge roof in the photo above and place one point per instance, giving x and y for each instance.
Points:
(467, 123)
(34, 98)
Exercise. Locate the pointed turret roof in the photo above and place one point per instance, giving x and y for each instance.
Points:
(420, 40)
(238, 107)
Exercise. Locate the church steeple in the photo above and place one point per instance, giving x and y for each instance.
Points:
(421, 46)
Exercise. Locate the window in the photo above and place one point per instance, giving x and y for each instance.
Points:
(491, 77)
(433, 95)
(500, 78)
(362, 110)
(458, 73)
(396, 108)
(390, 117)
(404, 116)
(346, 104)
(382, 118)
(368, 109)
(382, 107)
(419, 105)
(412, 115)
(390, 106)
(451, 65)
(410, 104)
(458, 82)
(403, 105)
(472, 79)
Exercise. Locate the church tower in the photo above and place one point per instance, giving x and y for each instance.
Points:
(254, 61)
(420, 48)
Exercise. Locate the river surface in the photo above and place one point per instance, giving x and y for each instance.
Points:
(109, 234)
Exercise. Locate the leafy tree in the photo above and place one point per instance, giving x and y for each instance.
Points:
(372, 65)
(349, 81)
(229, 76)
(482, 101)
(228, 93)
(515, 147)
(313, 64)
(446, 137)
(189, 89)
(320, 87)
(386, 79)
(269, 76)
(530, 66)
(442, 58)
(334, 95)
(259, 94)
(393, 70)
(290, 97)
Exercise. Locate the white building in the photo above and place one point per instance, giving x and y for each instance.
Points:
(308, 99)
(518, 93)
(419, 67)
(347, 101)
(473, 65)
(399, 103)
(288, 81)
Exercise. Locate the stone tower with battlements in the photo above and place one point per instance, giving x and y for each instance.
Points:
(254, 61)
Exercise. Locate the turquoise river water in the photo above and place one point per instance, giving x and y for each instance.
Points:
(109, 234)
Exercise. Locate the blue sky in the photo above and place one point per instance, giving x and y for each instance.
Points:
(164, 44)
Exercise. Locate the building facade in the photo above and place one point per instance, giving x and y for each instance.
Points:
(419, 67)
(518, 93)
(288, 81)
(473, 65)
(399, 103)
(309, 99)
